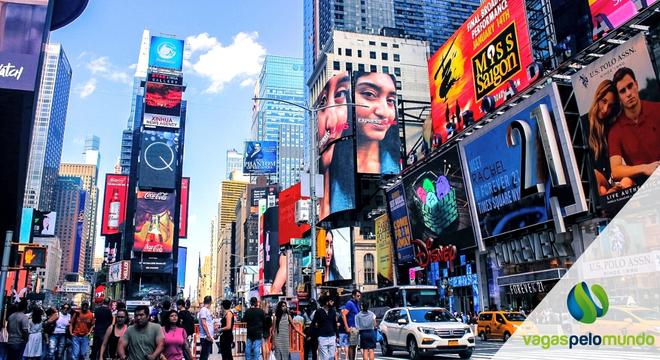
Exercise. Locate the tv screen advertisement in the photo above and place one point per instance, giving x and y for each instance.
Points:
(183, 210)
(80, 227)
(260, 157)
(607, 91)
(114, 204)
(44, 223)
(154, 222)
(607, 15)
(166, 53)
(158, 160)
(481, 66)
(396, 203)
(337, 263)
(333, 121)
(518, 165)
(271, 247)
(378, 146)
(268, 193)
(181, 267)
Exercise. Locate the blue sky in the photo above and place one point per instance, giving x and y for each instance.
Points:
(228, 41)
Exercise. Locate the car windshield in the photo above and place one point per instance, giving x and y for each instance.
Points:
(646, 314)
(515, 317)
(427, 316)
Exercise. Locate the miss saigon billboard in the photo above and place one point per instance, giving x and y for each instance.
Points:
(482, 65)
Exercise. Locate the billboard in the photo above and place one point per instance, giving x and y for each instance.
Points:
(43, 223)
(481, 66)
(271, 247)
(608, 15)
(168, 79)
(158, 160)
(437, 204)
(268, 193)
(114, 203)
(396, 203)
(80, 226)
(154, 222)
(378, 146)
(183, 207)
(22, 28)
(181, 267)
(623, 152)
(337, 165)
(337, 264)
(159, 120)
(384, 256)
(166, 53)
(288, 228)
(27, 218)
(260, 157)
(334, 121)
(119, 271)
(519, 165)
(152, 264)
(162, 105)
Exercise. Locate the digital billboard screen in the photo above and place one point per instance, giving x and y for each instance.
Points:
(288, 229)
(334, 121)
(44, 223)
(169, 79)
(158, 160)
(260, 157)
(337, 264)
(268, 193)
(271, 247)
(378, 146)
(80, 227)
(609, 91)
(183, 210)
(607, 15)
(481, 66)
(163, 99)
(181, 267)
(22, 28)
(154, 222)
(516, 165)
(166, 53)
(396, 203)
(114, 203)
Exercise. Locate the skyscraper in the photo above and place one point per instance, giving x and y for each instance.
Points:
(48, 131)
(91, 153)
(230, 194)
(281, 78)
(69, 201)
(234, 162)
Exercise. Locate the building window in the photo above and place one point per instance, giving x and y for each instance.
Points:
(339, 51)
(360, 67)
(383, 56)
(383, 44)
(373, 68)
(396, 46)
(397, 71)
(372, 54)
(372, 43)
(349, 52)
(398, 85)
(335, 65)
(386, 69)
(397, 57)
(369, 276)
(359, 53)
(349, 67)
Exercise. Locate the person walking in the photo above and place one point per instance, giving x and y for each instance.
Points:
(324, 325)
(57, 342)
(282, 330)
(365, 321)
(143, 340)
(112, 335)
(174, 337)
(34, 348)
(82, 323)
(254, 318)
(226, 331)
(102, 320)
(311, 343)
(268, 326)
(18, 327)
(206, 328)
(186, 320)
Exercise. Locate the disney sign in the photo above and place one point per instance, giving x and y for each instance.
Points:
(426, 254)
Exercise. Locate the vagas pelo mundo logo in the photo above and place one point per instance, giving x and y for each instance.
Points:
(586, 305)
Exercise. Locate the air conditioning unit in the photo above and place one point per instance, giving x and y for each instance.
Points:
(302, 211)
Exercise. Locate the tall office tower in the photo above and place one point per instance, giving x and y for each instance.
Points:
(88, 174)
(91, 153)
(281, 78)
(234, 162)
(69, 200)
(230, 194)
(48, 131)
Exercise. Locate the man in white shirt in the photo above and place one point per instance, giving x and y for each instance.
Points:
(206, 328)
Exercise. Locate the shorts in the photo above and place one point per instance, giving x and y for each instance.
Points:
(367, 339)
(354, 337)
(343, 339)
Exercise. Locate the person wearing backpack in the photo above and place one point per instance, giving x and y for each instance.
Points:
(186, 320)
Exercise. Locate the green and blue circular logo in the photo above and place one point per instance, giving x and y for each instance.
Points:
(581, 304)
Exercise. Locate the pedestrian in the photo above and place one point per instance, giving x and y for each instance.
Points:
(365, 322)
(311, 343)
(50, 321)
(102, 320)
(57, 342)
(82, 323)
(351, 309)
(143, 340)
(324, 325)
(18, 327)
(266, 345)
(34, 348)
(175, 338)
(254, 319)
(206, 328)
(226, 331)
(186, 320)
(165, 308)
(112, 335)
(282, 330)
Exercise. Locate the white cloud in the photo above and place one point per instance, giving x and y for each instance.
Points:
(240, 60)
(87, 89)
(102, 67)
(247, 82)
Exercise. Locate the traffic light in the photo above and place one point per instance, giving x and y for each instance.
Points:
(34, 256)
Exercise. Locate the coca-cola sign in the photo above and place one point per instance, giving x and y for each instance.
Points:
(161, 196)
(154, 222)
(426, 254)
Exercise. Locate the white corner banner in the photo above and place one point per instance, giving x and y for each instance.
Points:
(607, 304)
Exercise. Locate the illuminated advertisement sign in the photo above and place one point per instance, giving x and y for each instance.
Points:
(337, 262)
(519, 165)
(616, 152)
(154, 222)
(334, 122)
(22, 26)
(114, 204)
(183, 210)
(260, 157)
(162, 105)
(161, 78)
(166, 53)
(181, 267)
(271, 247)
(437, 203)
(80, 226)
(27, 217)
(482, 65)
(384, 256)
(159, 120)
(396, 201)
(43, 223)
(288, 228)
(268, 193)
(158, 160)
(608, 15)
(338, 169)
(119, 271)
(376, 123)
(152, 264)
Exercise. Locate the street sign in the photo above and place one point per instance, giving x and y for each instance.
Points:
(300, 242)
(76, 288)
(306, 270)
(34, 256)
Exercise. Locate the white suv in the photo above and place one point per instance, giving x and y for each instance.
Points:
(425, 331)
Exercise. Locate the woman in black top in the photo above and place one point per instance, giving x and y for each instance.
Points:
(112, 336)
(226, 331)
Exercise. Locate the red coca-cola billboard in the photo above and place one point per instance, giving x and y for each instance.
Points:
(154, 222)
(183, 211)
(288, 229)
(114, 204)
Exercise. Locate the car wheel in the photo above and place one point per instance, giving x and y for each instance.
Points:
(465, 354)
(483, 336)
(413, 351)
(385, 347)
(506, 336)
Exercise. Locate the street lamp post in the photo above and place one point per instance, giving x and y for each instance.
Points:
(312, 170)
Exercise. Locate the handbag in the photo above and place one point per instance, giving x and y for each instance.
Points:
(379, 336)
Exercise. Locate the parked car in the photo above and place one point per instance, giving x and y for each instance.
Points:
(498, 324)
(425, 331)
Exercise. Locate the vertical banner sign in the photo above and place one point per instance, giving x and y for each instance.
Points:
(481, 66)
(154, 222)
(114, 203)
(27, 218)
(271, 248)
(183, 211)
(80, 225)
(608, 15)
(262, 210)
(384, 257)
(181, 267)
(396, 200)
